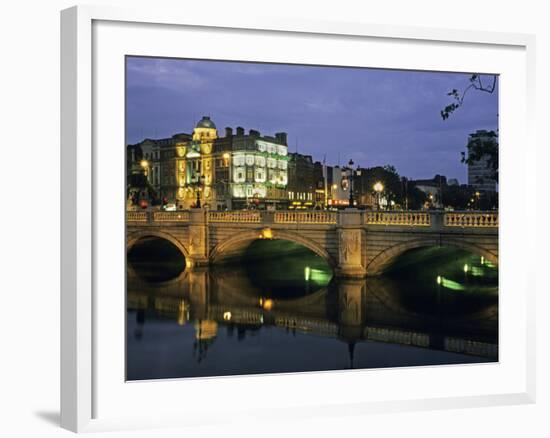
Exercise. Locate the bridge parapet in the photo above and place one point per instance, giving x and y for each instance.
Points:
(141, 217)
(274, 217)
(137, 216)
(306, 217)
(482, 219)
(434, 220)
(462, 219)
(171, 216)
(410, 218)
(238, 216)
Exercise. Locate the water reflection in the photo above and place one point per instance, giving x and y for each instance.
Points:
(245, 320)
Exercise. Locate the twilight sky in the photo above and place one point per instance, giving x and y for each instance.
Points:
(374, 116)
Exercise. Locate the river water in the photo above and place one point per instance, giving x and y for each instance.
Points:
(278, 309)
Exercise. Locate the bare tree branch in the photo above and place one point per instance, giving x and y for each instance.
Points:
(475, 83)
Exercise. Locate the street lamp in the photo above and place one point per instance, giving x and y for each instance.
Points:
(227, 189)
(378, 188)
(145, 165)
(351, 183)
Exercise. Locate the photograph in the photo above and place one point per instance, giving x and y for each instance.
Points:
(288, 218)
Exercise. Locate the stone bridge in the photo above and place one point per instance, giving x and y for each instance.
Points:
(354, 243)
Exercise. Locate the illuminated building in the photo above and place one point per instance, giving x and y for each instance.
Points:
(236, 171)
(253, 169)
(194, 165)
(180, 168)
(161, 156)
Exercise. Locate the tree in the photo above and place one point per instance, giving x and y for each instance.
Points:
(477, 149)
(416, 198)
(395, 189)
(476, 83)
(458, 197)
(486, 149)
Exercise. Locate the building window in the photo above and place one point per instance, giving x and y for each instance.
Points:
(238, 174)
(260, 175)
(282, 150)
(239, 160)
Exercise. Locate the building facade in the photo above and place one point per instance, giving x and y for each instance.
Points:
(258, 169)
(302, 184)
(202, 169)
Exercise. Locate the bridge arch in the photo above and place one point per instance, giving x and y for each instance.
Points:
(241, 238)
(383, 259)
(134, 237)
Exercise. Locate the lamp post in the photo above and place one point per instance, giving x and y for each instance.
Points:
(378, 188)
(145, 165)
(360, 189)
(351, 202)
(227, 191)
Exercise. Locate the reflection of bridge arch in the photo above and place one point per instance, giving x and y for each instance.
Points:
(240, 239)
(134, 237)
(387, 256)
(383, 292)
(175, 282)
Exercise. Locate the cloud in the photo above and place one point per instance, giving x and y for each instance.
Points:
(163, 73)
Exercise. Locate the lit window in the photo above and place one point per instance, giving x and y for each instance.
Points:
(260, 175)
(239, 160)
(260, 161)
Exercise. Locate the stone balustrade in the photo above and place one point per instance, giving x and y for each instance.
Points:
(471, 219)
(136, 216)
(239, 216)
(403, 218)
(463, 219)
(171, 216)
(305, 217)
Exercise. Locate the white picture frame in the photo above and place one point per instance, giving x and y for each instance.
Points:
(84, 382)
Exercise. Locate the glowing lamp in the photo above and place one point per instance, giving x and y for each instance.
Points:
(378, 187)
(266, 233)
